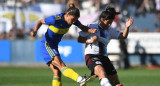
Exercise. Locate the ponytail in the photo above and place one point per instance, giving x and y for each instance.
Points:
(72, 10)
(111, 10)
(71, 5)
(109, 13)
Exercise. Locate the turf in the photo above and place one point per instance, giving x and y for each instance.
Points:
(24, 76)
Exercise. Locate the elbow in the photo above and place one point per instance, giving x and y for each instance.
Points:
(95, 38)
(83, 28)
(124, 37)
(79, 40)
(41, 21)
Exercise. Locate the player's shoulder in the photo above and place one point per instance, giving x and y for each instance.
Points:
(111, 29)
(95, 26)
(58, 16)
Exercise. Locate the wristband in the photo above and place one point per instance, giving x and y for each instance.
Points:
(89, 41)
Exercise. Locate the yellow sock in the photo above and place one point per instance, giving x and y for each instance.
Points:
(68, 72)
(56, 81)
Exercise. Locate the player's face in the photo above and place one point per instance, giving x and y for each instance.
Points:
(71, 19)
(107, 23)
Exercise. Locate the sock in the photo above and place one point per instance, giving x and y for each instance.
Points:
(105, 82)
(68, 72)
(79, 79)
(56, 81)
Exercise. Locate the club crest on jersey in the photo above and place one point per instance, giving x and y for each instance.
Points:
(57, 17)
(98, 62)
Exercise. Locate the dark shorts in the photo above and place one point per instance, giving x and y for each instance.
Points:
(93, 60)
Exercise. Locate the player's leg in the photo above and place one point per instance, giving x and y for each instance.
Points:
(66, 71)
(48, 54)
(110, 71)
(70, 73)
(56, 76)
(94, 64)
(51, 56)
(114, 79)
(100, 72)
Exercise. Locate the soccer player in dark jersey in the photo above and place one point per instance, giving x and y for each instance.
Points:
(96, 47)
(58, 25)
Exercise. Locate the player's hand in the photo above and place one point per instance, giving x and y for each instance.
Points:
(91, 30)
(129, 22)
(33, 33)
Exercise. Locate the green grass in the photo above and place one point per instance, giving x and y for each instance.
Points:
(23, 76)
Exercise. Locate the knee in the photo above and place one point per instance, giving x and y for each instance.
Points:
(58, 64)
(98, 70)
(56, 73)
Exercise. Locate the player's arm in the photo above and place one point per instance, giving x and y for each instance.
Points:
(87, 41)
(102, 40)
(124, 35)
(39, 23)
(86, 29)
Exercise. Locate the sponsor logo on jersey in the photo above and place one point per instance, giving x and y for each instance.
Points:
(98, 62)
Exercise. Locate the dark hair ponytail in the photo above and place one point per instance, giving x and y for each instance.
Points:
(72, 10)
(109, 13)
(111, 10)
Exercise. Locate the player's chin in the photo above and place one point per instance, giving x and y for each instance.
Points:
(72, 22)
(69, 23)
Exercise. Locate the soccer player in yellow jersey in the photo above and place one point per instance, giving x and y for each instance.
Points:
(59, 25)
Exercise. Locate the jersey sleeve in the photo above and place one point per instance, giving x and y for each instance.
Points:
(84, 34)
(114, 33)
(77, 23)
(50, 20)
(103, 40)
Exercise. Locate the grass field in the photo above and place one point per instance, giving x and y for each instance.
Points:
(24, 76)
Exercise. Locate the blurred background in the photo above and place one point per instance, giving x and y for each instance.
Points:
(18, 18)
(136, 58)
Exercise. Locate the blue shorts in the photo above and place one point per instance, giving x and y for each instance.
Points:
(49, 51)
